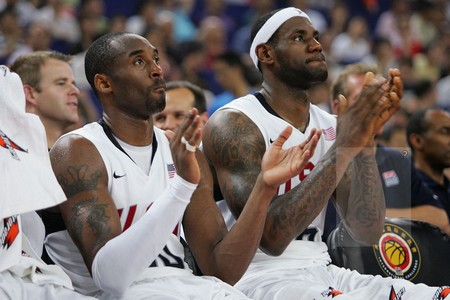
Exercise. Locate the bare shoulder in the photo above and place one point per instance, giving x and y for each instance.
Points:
(77, 164)
(230, 138)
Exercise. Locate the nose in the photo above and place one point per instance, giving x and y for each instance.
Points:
(75, 90)
(156, 70)
(315, 45)
(169, 124)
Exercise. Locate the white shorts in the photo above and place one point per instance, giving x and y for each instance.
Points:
(326, 282)
(182, 286)
(17, 288)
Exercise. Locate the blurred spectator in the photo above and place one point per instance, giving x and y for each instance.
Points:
(10, 34)
(382, 55)
(160, 33)
(353, 44)
(60, 18)
(428, 135)
(424, 96)
(181, 97)
(213, 36)
(96, 10)
(317, 18)
(231, 74)
(428, 65)
(218, 9)
(443, 92)
(426, 20)
(184, 28)
(38, 36)
(145, 16)
(24, 9)
(117, 23)
(89, 32)
(406, 43)
(191, 59)
(394, 137)
(240, 41)
(338, 18)
(386, 25)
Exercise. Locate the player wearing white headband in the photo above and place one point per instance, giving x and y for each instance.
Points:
(292, 262)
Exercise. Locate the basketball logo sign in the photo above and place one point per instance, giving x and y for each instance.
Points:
(397, 253)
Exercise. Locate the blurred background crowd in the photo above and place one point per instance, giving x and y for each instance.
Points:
(206, 42)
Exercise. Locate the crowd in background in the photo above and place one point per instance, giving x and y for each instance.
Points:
(199, 41)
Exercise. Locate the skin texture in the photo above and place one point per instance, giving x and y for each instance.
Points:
(178, 103)
(432, 155)
(290, 64)
(432, 149)
(56, 101)
(130, 96)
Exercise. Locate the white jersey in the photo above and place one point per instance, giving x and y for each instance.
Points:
(270, 126)
(133, 193)
(303, 271)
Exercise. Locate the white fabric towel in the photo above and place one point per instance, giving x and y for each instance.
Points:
(27, 180)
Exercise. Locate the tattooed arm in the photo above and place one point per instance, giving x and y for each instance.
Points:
(89, 213)
(234, 146)
(227, 254)
(360, 199)
(93, 223)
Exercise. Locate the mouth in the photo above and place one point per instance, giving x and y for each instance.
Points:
(320, 58)
(73, 104)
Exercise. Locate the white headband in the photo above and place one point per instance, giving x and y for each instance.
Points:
(272, 24)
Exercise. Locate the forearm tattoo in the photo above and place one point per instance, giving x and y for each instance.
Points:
(366, 200)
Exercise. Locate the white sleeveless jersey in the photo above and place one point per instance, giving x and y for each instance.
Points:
(133, 193)
(270, 126)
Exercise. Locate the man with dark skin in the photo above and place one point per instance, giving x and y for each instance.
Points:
(428, 134)
(125, 203)
(289, 264)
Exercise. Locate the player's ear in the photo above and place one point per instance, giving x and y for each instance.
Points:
(264, 53)
(416, 141)
(102, 84)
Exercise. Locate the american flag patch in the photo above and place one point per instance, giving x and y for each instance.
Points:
(171, 169)
(390, 178)
(329, 134)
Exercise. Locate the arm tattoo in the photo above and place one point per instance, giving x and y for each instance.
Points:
(96, 220)
(238, 148)
(366, 199)
(79, 180)
(86, 214)
(294, 211)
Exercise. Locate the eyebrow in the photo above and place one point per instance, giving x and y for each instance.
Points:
(135, 52)
(140, 51)
(304, 31)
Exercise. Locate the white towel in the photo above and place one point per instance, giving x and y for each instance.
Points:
(27, 181)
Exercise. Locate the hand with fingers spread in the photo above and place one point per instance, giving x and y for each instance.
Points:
(184, 143)
(278, 164)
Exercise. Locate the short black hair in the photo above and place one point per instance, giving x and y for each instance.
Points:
(100, 56)
(199, 94)
(417, 124)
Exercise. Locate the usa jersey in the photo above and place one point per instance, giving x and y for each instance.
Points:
(133, 192)
(271, 125)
